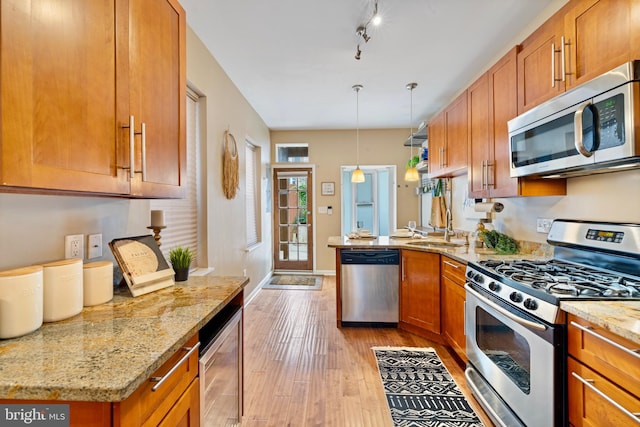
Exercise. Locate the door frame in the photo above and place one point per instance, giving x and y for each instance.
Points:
(311, 209)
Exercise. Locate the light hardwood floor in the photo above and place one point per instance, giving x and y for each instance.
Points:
(301, 370)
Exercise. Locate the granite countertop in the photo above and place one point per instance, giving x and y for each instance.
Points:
(462, 253)
(104, 353)
(619, 317)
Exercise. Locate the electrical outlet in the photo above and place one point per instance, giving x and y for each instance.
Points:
(543, 225)
(94, 246)
(74, 246)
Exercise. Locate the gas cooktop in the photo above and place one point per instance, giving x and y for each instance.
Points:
(565, 280)
(592, 260)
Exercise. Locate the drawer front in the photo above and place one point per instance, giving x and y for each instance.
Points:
(591, 404)
(454, 270)
(593, 347)
(147, 407)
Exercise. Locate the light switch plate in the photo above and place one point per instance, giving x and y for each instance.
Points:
(94, 246)
(543, 225)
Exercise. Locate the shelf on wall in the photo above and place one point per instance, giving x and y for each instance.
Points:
(419, 136)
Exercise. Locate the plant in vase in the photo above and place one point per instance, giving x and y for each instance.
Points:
(180, 259)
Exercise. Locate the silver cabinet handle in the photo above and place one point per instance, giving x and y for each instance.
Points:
(450, 264)
(524, 322)
(590, 331)
(553, 65)
(562, 67)
(132, 139)
(143, 133)
(589, 383)
(160, 380)
(403, 269)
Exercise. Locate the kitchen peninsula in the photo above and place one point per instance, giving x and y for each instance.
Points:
(98, 360)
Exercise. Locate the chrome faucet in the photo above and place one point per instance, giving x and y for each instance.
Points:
(448, 231)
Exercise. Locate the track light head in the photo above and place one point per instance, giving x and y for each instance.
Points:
(358, 52)
(362, 32)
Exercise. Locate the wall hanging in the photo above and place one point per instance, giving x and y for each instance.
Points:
(230, 182)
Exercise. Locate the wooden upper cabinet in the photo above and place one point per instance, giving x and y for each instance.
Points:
(58, 94)
(157, 95)
(437, 142)
(492, 102)
(450, 146)
(584, 39)
(539, 65)
(70, 77)
(480, 151)
(598, 37)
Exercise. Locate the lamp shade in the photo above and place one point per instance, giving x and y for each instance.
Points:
(357, 175)
(412, 175)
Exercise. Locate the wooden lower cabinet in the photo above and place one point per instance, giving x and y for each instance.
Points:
(603, 379)
(452, 305)
(420, 293)
(175, 403)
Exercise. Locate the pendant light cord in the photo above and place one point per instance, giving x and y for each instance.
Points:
(358, 127)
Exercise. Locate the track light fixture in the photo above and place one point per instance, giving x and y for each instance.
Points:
(361, 30)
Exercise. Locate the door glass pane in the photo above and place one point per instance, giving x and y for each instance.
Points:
(505, 347)
(365, 204)
(292, 217)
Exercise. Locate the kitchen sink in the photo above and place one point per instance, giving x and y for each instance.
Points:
(434, 243)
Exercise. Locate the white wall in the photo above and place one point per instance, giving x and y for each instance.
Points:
(32, 227)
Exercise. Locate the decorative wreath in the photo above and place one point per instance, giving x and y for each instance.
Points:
(230, 182)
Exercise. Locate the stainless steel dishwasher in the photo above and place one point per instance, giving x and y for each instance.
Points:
(369, 282)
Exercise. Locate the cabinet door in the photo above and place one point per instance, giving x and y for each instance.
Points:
(503, 107)
(598, 36)
(456, 136)
(588, 407)
(157, 91)
(453, 300)
(479, 141)
(58, 119)
(539, 65)
(186, 411)
(437, 137)
(420, 291)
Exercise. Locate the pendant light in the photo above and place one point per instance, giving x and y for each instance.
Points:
(412, 173)
(358, 175)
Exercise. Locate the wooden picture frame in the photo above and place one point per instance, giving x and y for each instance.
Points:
(328, 188)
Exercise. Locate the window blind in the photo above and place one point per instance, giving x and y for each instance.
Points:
(252, 194)
(181, 215)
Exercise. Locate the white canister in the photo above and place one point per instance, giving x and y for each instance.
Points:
(20, 301)
(62, 289)
(97, 282)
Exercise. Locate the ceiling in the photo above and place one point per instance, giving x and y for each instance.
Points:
(293, 60)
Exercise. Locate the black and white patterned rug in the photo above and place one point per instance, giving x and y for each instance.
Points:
(420, 391)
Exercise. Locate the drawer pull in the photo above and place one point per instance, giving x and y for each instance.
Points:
(605, 339)
(160, 380)
(589, 383)
(450, 264)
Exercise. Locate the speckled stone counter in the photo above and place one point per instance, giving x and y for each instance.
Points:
(619, 317)
(462, 253)
(104, 353)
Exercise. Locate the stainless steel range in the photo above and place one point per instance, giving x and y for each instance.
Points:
(514, 326)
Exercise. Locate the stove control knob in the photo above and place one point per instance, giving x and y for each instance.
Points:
(516, 297)
(530, 304)
(494, 287)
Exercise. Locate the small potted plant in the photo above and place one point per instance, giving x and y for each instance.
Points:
(180, 260)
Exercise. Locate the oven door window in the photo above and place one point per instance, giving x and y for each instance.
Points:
(506, 348)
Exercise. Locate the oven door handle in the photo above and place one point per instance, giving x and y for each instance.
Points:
(496, 307)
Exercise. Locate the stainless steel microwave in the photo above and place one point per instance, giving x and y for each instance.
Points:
(592, 128)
